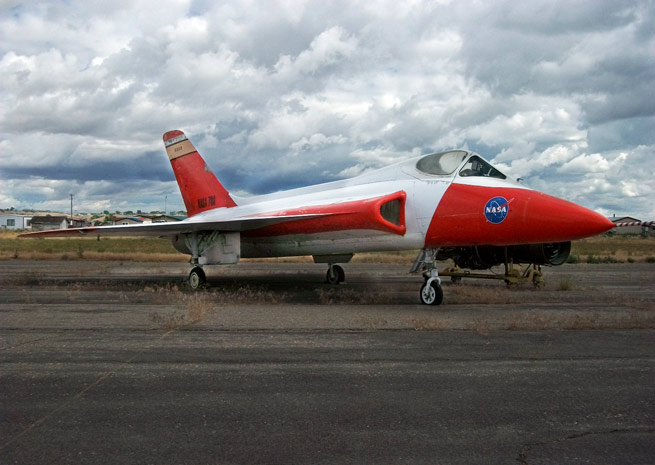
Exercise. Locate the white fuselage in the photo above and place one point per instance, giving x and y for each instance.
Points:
(423, 194)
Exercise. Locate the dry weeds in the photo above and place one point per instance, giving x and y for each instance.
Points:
(565, 283)
(97, 256)
(346, 296)
(433, 323)
(189, 307)
(371, 324)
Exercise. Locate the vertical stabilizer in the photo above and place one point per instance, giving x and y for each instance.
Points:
(200, 188)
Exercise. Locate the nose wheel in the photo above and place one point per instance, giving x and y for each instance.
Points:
(431, 292)
(197, 278)
(426, 261)
(335, 274)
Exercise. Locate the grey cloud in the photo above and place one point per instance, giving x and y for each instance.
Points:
(585, 48)
(554, 18)
(150, 167)
(613, 135)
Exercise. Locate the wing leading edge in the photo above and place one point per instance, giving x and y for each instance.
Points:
(385, 213)
(167, 229)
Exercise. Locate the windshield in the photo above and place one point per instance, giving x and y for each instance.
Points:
(441, 163)
(476, 166)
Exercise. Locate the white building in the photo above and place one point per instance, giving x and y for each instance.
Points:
(44, 223)
(11, 221)
(634, 229)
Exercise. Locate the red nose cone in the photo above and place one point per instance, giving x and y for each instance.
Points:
(562, 220)
(481, 215)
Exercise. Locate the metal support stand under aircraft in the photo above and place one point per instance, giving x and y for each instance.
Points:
(514, 274)
(431, 292)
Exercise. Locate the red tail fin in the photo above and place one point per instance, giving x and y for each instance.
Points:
(199, 187)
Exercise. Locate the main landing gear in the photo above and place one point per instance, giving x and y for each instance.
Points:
(335, 274)
(197, 278)
(431, 292)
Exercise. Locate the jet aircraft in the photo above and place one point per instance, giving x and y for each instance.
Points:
(451, 204)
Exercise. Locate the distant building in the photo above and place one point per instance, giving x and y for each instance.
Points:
(78, 223)
(132, 220)
(166, 218)
(43, 223)
(12, 221)
(636, 229)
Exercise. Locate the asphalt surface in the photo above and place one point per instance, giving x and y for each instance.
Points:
(119, 363)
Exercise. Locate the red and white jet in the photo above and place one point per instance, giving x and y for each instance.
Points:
(449, 205)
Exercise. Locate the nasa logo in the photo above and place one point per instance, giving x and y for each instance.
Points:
(496, 209)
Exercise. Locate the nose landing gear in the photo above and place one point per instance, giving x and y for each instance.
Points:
(431, 292)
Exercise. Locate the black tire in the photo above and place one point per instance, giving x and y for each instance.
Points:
(431, 294)
(340, 273)
(197, 278)
(335, 275)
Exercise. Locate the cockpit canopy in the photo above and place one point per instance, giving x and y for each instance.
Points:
(441, 163)
(445, 163)
(476, 166)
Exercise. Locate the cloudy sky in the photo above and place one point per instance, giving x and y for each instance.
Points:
(281, 94)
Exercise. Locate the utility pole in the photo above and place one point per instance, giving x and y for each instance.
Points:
(165, 200)
(71, 210)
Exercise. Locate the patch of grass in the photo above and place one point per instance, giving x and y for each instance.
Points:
(565, 284)
(636, 247)
(595, 260)
(634, 319)
(428, 324)
(345, 296)
(400, 257)
(99, 256)
(600, 249)
(80, 246)
(530, 322)
(191, 307)
(170, 321)
(372, 324)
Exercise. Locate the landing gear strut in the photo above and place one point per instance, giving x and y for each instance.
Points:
(197, 278)
(335, 274)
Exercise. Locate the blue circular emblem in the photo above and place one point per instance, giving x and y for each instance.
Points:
(496, 209)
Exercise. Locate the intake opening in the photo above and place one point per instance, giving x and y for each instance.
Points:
(390, 211)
